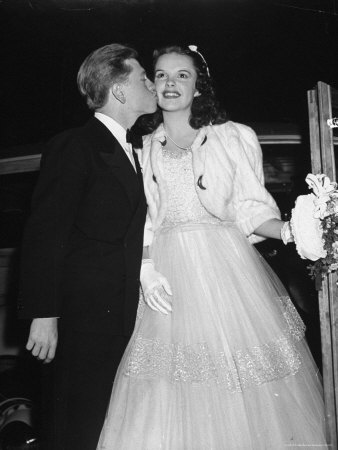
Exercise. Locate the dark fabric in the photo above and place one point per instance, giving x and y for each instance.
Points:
(82, 245)
(81, 258)
(84, 372)
(134, 138)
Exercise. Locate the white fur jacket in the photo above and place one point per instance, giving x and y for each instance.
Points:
(227, 159)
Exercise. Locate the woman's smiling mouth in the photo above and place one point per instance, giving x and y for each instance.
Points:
(171, 94)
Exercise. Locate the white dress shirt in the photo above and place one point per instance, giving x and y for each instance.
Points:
(119, 133)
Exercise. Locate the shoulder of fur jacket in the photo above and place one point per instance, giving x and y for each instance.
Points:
(147, 140)
(240, 137)
(234, 128)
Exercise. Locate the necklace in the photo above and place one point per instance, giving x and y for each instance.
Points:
(178, 146)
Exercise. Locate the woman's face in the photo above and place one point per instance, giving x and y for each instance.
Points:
(175, 82)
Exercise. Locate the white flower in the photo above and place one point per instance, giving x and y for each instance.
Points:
(321, 207)
(193, 48)
(324, 190)
(320, 184)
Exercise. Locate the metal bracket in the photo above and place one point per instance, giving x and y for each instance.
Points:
(333, 123)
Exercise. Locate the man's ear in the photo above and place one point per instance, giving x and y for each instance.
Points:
(196, 94)
(117, 91)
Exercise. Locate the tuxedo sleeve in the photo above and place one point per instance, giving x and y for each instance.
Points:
(54, 207)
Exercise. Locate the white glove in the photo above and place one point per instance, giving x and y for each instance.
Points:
(156, 288)
(286, 233)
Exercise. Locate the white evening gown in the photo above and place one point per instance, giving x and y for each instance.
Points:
(229, 367)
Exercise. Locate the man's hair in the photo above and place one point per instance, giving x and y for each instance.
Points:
(102, 68)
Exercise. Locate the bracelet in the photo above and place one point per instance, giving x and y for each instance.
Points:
(147, 261)
(286, 233)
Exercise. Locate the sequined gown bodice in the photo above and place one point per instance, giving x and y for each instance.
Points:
(184, 205)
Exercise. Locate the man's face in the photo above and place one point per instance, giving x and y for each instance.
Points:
(139, 91)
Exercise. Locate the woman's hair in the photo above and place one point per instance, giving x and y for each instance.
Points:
(100, 69)
(205, 108)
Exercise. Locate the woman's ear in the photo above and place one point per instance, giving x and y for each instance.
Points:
(118, 93)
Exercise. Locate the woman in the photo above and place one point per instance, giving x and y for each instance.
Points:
(218, 358)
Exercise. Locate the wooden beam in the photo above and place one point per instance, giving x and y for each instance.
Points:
(316, 160)
(29, 163)
(323, 161)
(326, 135)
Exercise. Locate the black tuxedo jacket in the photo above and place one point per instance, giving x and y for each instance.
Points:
(82, 245)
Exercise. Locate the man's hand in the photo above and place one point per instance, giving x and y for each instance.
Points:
(156, 288)
(43, 337)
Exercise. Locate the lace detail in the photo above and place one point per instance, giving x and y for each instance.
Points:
(197, 364)
(179, 363)
(296, 327)
(141, 306)
(177, 153)
(183, 202)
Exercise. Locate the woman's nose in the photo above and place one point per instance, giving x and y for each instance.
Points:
(170, 82)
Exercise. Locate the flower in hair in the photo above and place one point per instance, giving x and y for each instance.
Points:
(193, 48)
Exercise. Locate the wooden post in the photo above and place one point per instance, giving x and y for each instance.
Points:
(320, 102)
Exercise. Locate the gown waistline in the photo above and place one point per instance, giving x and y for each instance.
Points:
(192, 226)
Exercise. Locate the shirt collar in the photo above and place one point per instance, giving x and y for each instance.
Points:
(114, 127)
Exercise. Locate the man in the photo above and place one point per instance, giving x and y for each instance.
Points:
(82, 246)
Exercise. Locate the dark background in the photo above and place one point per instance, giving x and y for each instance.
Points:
(263, 55)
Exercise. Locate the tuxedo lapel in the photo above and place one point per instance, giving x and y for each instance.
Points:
(138, 167)
(141, 204)
(113, 155)
(140, 180)
(122, 169)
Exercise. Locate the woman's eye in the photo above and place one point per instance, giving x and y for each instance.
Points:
(159, 75)
(182, 75)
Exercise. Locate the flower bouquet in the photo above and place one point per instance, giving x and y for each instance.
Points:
(314, 224)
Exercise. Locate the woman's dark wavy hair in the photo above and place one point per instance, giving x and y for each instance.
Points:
(205, 108)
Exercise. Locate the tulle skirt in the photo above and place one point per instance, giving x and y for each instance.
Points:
(229, 367)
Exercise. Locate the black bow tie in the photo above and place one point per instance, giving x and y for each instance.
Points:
(134, 139)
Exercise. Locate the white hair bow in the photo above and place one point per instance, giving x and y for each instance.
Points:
(193, 48)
